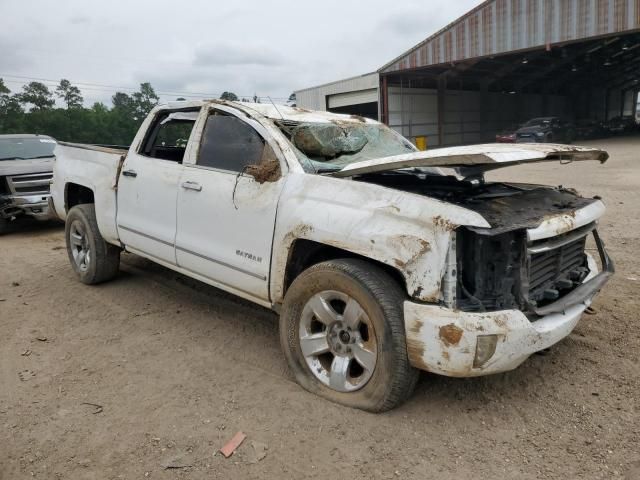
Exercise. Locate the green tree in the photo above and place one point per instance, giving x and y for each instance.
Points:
(70, 94)
(123, 102)
(123, 123)
(11, 112)
(99, 124)
(4, 90)
(229, 96)
(37, 95)
(144, 101)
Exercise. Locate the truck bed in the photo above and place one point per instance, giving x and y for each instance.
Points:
(92, 167)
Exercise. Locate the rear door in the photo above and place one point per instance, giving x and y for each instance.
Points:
(148, 186)
(226, 218)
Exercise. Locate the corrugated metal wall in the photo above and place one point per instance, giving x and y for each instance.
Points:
(468, 118)
(414, 112)
(315, 98)
(501, 26)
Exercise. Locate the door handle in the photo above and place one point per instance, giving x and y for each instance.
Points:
(130, 173)
(192, 186)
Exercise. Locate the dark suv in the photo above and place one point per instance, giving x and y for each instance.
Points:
(545, 130)
(620, 125)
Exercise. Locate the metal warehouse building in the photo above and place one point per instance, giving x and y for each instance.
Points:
(500, 64)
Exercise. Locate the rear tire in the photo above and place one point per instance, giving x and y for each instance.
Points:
(92, 258)
(369, 362)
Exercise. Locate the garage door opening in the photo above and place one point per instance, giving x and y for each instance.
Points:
(359, 102)
(367, 110)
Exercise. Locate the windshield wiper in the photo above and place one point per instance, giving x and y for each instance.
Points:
(27, 158)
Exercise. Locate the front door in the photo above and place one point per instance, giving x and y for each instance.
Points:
(226, 218)
(148, 187)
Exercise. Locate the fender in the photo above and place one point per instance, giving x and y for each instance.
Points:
(408, 232)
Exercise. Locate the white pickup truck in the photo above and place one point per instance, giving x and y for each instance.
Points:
(380, 259)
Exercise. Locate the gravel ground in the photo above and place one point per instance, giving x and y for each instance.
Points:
(154, 370)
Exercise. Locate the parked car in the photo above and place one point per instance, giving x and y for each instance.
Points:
(508, 135)
(379, 260)
(26, 168)
(588, 128)
(545, 130)
(620, 125)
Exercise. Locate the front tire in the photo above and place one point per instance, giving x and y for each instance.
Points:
(92, 258)
(342, 332)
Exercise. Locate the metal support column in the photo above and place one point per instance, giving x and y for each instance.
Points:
(442, 91)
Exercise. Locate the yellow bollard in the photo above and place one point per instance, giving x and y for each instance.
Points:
(421, 142)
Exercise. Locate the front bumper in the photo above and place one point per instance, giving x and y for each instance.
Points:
(446, 341)
(35, 206)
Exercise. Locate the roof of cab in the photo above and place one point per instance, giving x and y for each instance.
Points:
(276, 112)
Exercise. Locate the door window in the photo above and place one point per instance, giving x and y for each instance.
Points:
(169, 135)
(228, 143)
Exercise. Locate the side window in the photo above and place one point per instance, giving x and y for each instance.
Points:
(228, 143)
(168, 135)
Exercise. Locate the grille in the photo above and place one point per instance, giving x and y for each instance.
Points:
(525, 136)
(556, 270)
(30, 184)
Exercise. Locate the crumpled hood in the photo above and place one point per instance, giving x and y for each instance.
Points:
(19, 167)
(477, 159)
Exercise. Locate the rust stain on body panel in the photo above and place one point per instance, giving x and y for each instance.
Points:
(438, 221)
(450, 334)
(416, 348)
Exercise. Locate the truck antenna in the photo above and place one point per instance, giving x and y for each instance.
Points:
(276, 107)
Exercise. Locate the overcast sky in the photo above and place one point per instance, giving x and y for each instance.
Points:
(206, 47)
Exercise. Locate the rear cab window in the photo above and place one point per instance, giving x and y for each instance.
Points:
(169, 134)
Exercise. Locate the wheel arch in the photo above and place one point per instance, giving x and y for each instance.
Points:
(75, 194)
(305, 253)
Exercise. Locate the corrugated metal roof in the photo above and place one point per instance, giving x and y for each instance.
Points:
(501, 26)
(364, 80)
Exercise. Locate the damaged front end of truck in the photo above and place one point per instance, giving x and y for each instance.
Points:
(510, 289)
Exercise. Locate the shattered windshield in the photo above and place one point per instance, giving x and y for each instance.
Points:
(17, 148)
(326, 147)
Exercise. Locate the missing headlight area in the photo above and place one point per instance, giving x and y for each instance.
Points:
(497, 272)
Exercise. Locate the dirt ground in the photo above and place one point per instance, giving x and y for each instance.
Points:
(154, 370)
